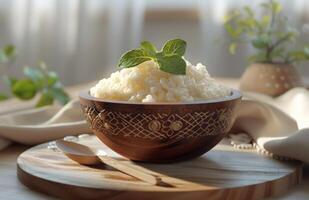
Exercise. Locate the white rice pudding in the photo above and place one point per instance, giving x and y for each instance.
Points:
(147, 83)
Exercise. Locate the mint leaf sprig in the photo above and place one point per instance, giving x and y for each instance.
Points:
(169, 59)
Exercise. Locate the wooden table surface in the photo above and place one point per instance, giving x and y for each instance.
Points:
(11, 188)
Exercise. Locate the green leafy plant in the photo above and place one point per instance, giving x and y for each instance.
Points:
(36, 81)
(169, 59)
(269, 34)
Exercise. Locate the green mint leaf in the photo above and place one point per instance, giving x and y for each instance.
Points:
(3, 97)
(174, 47)
(169, 59)
(60, 95)
(133, 58)
(172, 64)
(45, 99)
(149, 48)
(24, 89)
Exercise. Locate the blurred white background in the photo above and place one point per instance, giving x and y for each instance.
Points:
(83, 39)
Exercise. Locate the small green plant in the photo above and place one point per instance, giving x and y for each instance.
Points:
(169, 59)
(36, 80)
(269, 34)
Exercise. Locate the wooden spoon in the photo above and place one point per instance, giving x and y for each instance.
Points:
(84, 155)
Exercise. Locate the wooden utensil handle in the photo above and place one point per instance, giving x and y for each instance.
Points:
(125, 168)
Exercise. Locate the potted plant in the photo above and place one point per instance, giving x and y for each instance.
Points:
(271, 70)
(36, 81)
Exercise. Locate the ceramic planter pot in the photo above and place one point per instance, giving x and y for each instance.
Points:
(270, 79)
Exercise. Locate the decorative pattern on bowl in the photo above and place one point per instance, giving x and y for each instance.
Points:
(159, 125)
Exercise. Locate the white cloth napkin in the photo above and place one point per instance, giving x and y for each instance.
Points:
(270, 122)
(272, 130)
(294, 103)
(35, 126)
(273, 123)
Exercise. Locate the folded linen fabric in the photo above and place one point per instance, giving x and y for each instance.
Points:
(272, 124)
(35, 126)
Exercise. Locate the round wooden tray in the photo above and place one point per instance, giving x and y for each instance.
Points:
(222, 173)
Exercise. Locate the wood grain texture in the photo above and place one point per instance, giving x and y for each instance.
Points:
(222, 173)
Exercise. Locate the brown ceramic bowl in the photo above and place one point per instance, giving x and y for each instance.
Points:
(160, 132)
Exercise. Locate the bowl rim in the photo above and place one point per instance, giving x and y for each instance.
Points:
(235, 94)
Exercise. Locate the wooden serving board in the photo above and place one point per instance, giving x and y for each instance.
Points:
(222, 173)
